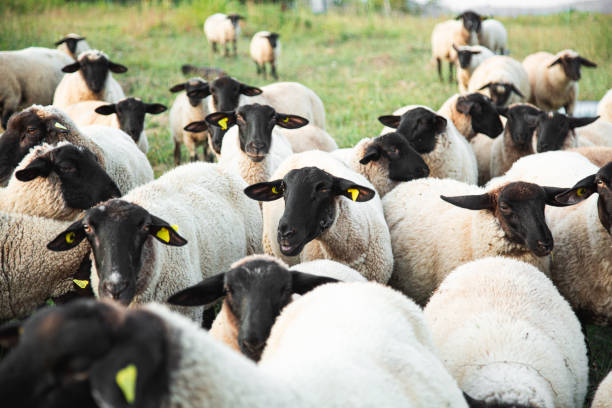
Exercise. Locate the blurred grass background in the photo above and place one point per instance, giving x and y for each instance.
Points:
(362, 64)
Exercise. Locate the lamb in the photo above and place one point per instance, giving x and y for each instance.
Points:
(556, 131)
(530, 350)
(446, 152)
(503, 79)
(221, 29)
(115, 150)
(158, 358)
(554, 79)
(328, 212)
(452, 32)
(385, 161)
(494, 36)
(89, 79)
(265, 48)
(603, 396)
(72, 45)
(127, 114)
(604, 108)
(469, 57)
(507, 221)
(27, 77)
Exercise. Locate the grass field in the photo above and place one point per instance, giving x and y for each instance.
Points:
(361, 64)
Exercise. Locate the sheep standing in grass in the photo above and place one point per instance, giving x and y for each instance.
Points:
(554, 79)
(604, 108)
(501, 78)
(89, 79)
(494, 36)
(222, 29)
(508, 337)
(469, 57)
(73, 45)
(265, 48)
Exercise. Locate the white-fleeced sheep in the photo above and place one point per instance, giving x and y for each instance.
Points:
(446, 152)
(265, 48)
(89, 79)
(309, 137)
(506, 221)
(501, 78)
(469, 57)
(494, 36)
(508, 337)
(73, 45)
(132, 246)
(348, 226)
(27, 77)
(128, 115)
(599, 133)
(604, 107)
(222, 29)
(598, 155)
(603, 396)
(554, 79)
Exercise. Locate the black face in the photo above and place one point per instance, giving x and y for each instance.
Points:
(117, 231)
(419, 126)
(255, 292)
(195, 88)
(473, 403)
(226, 93)
(131, 114)
(571, 65)
(522, 122)
(310, 204)
(71, 43)
(404, 163)
(94, 69)
(464, 56)
(215, 133)
(554, 128)
(471, 21)
(500, 92)
(24, 131)
(485, 118)
(69, 356)
(235, 19)
(83, 181)
(273, 39)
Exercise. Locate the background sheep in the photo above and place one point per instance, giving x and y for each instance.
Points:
(309, 137)
(556, 131)
(221, 29)
(89, 78)
(494, 36)
(73, 45)
(469, 57)
(604, 108)
(501, 78)
(554, 79)
(508, 336)
(265, 48)
(208, 73)
(603, 396)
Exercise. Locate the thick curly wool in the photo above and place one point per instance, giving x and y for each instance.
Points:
(417, 220)
(494, 36)
(604, 108)
(446, 34)
(218, 221)
(464, 74)
(358, 237)
(30, 273)
(603, 396)
(73, 88)
(182, 114)
(508, 336)
(309, 137)
(501, 69)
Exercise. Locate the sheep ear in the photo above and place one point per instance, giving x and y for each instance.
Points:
(165, 233)
(69, 238)
(249, 90)
(155, 108)
(579, 122)
(204, 293)
(74, 67)
(475, 52)
(223, 120)
(516, 91)
(485, 86)
(473, 403)
(266, 191)
(9, 334)
(196, 127)
(372, 153)
(587, 63)
(290, 121)
(392, 121)
(40, 167)
(464, 105)
(353, 191)
(177, 88)
(471, 202)
(55, 127)
(580, 192)
(200, 92)
(440, 123)
(63, 40)
(106, 109)
(117, 68)
(551, 194)
(555, 62)
(302, 283)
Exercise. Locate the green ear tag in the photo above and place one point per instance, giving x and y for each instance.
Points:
(60, 126)
(81, 283)
(70, 237)
(163, 234)
(126, 380)
(354, 193)
(223, 123)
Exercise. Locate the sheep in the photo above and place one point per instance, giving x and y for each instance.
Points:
(507, 220)
(604, 107)
(208, 73)
(72, 45)
(385, 161)
(89, 78)
(309, 137)
(220, 28)
(328, 212)
(599, 133)
(469, 57)
(556, 131)
(265, 47)
(501, 78)
(452, 32)
(128, 114)
(115, 150)
(603, 396)
(598, 155)
(508, 337)
(151, 356)
(27, 77)
(554, 79)
(494, 36)
(446, 152)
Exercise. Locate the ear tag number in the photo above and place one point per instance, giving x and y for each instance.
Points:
(354, 193)
(163, 234)
(81, 283)
(580, 192)
(70, 237)
(126, 380)
(223, 123)
(60, 126)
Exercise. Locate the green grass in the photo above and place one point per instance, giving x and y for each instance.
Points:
(361, 65)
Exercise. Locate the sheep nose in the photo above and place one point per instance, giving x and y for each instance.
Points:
(285, 231)
(545, 246)
(254, 348)
(112, 289)
(257, 145)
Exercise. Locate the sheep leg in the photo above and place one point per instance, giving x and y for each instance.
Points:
(450, 71)
(439, 69)
(226, 50)
(235, 47)
(214, 47)
(273, 70)
(258, 69)
(177, 153)
(263, 70)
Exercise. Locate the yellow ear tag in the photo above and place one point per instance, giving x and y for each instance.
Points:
(354, 193)
(580, 192)
(286, 119)
(81, 283)
(223, 123)
(70, 237)
(126, 380)
(163, 234)
(275, 190)
(175, 228)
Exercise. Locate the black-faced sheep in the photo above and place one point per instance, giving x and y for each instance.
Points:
(222, 29)
(265, 48)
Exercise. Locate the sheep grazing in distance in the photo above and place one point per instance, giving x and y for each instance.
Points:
(508, 337)
(265, 48)
(128, 114)
(89, 78)
(222, 29)
(554, 79)
(328, 212)
(603, 396)
(453, 32)
(27, 77)
(446, 152)
(208, 73)
(604, 108)
(556, 131)
(494, 36)
(501, 78)
(507, 221)
(469, 57)
(73, 45)
(140, 257)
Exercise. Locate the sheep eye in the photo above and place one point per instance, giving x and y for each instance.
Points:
(600, 183)
(67, 168)
(87, 228)
(31, 129)
(321, 188)
(504, 207)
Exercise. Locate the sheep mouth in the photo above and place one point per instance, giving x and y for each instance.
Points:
(256, 157)
(290, 249)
